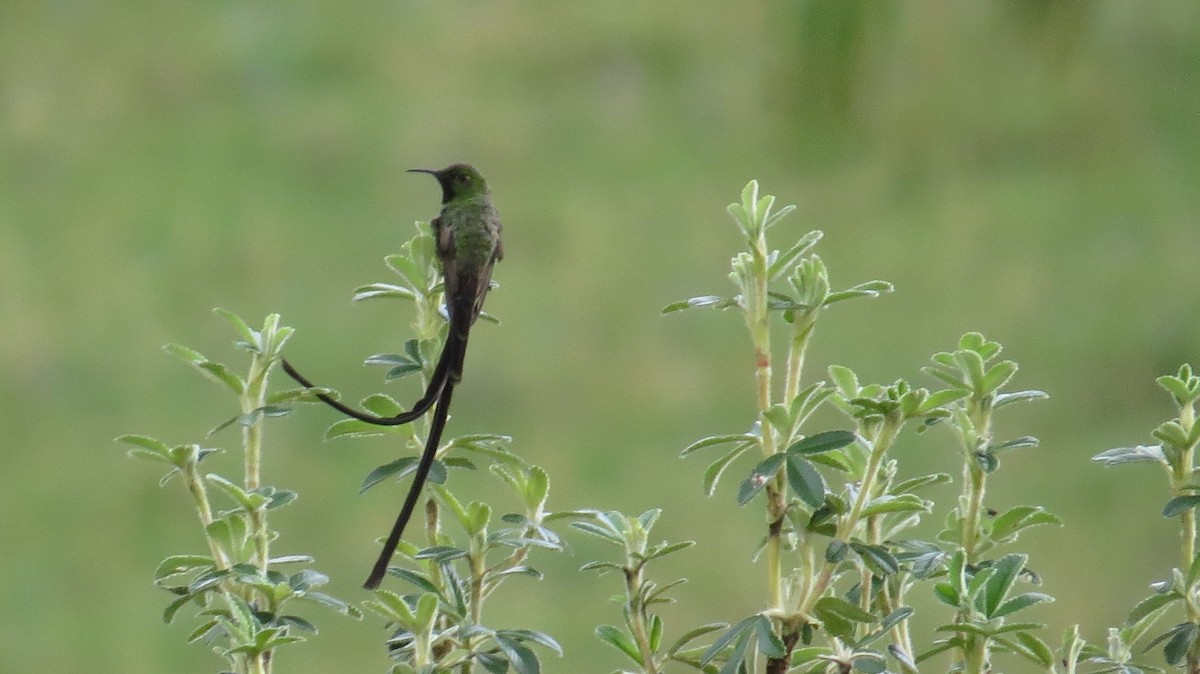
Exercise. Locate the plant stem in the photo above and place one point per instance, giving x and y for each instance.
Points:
(637, 615)
(975, 478)
(975, 657)
(757, 315)
(204, 512)
(478, 577)
(975, 651)
(1181, 480)
(891, 599)
(975, 484)
(883, 441)
(805, 322)
(253, 398)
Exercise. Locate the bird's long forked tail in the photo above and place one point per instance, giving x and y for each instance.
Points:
(449, 361)
(453, 354)
(414, 491)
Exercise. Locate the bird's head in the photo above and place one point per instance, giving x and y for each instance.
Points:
(457, 181)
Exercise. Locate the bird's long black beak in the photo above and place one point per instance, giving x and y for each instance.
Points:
(442, 180)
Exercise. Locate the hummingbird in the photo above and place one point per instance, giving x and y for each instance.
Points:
(467, 237)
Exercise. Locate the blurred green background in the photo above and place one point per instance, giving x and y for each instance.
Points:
(1025, 168)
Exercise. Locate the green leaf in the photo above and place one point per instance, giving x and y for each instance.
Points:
(965, 628)
(399, 468)
(977, 588)
(939, 647)
(869, 663)
(664, 550)
(769, 643)
(457, 509)
(877, 558)
(975, 341)
(1182, 391)
(233, 491)
(739, 631)
(620, 640)
(971, 364)
(177, 564)
(762, 209)
(1003, 399)
(713, 473)
(737, 657)
(252, 417)
(947, 372)
(1138, 454)
(1180, 504)
(441, 554)
(382, 405)
(1182, 638)
(843, 608)
(331, 603)
(763, 473)
(1041, 652)
(244, 331)
(940, 399)
(822, 442)
(1005, 527)
(147, 447)
(1150, 607)
(409, 270)
(307, 395)
(1172, 433)
(1006, 571)
(889, 503)
(212, 370)
(805, 481)
(836, 551)
(539, 638)
(998, 375)
(655, 594)
(602, 567)
(783, 261)
(693, 634)
(520, 656)
(355, 428)
(868, 289)
(537, 488)
(399, 366)
(915, 483)
(222, 426)
(656, 628)
(375, 290)
(1020, 602)
(845, 380)
(778, 415)
(600, 531)
(1030, 647)
(173, 608)
(895, 618)
(394, 608)
(771, 220)
(806, 403)
(701, 301)
(202, 631)
(1025, 441)
(479, 515)
(715, 440)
